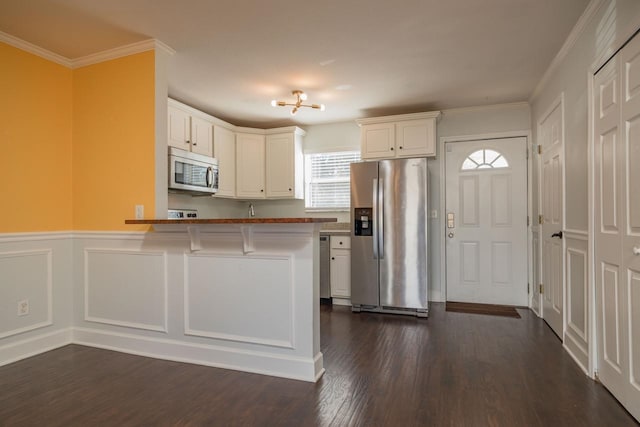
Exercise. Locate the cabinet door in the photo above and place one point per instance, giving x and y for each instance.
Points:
(224, 149)
(341, 273)
(416, 138)
(250, 166)
(378, 141)
(201, 136)
(179, 128)
(280, 166)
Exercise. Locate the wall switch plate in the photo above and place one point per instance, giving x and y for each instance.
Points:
(139, 211)
(23, 307)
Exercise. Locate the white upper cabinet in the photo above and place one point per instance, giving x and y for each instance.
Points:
(201, 136)
(408, 135)
(189, 129)
(179, 128)
(378, 141)
(224, 149)
(284, 165)
(253, 163)
(250, 166)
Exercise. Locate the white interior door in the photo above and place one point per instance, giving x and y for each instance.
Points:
(617, 224)
(552, 164)
(486, 220)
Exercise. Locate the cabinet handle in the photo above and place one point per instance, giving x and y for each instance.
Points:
(289, 189)
(188, 142)
(262, 191)
(400, 147)
(195, 143)
(391, 148)
(341, 242)
(333, 258)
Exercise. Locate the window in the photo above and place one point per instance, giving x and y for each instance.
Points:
(327, 179)
(484, 159)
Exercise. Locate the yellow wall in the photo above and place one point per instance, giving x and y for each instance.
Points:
(113, 142)
(35, 143)
(78, 145)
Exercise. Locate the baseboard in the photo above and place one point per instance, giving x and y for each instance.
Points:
(28, 347)
(575, 350)
(341, 301)
(292, 367)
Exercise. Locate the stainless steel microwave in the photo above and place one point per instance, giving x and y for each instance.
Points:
(192, 172)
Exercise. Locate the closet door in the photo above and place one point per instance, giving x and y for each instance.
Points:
(617, 224)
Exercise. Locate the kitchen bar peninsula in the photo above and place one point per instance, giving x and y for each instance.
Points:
(234, 293)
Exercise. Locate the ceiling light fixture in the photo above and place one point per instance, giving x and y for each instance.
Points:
(300, 97)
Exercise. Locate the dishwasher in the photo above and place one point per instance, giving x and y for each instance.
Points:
(325, 267)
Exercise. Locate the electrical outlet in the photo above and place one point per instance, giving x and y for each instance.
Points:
(23, 307)
(139, 211)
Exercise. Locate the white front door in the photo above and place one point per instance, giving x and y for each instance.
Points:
(617, 224)
(552, 164)
(486, 221)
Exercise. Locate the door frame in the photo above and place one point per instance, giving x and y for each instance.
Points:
(443, 187)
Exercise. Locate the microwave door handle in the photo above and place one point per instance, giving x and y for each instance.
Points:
(209, 177)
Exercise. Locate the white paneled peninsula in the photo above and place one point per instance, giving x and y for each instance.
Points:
(239, 293)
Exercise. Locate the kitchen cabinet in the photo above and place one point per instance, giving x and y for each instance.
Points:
(284, 165)
(250, 166)
(340, 266)
(253, 163)
(408, 135)
(189, 130)
(224, 149)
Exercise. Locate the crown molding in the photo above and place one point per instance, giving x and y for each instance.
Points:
(36, 50)
(485, 108)
(119, 52)
(576, 32)
(95, 58)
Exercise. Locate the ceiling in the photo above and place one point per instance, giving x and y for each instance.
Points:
(362, 58)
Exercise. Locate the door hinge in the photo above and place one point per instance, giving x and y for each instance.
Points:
(528, 222)
(527, 154)
(539, 149)
(528, 288)
(540, 219)
(541, 289)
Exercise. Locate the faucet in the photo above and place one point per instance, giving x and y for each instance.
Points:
(252, 211)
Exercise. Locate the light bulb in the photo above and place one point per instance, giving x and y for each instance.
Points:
(321, 107)
(274, 103)
(303, 96)
(294, 111)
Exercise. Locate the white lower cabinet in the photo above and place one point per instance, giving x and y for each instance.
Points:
(340, 267)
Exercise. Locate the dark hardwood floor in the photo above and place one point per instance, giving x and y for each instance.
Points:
(452, 369)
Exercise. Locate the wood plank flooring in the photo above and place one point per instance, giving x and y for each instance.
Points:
(452, 369)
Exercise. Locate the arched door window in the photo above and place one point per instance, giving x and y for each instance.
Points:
(485, 159)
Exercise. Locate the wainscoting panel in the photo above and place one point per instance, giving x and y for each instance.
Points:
(240, 298)
(126, 288)
(576, 337)
(36, 274)
(26, 291)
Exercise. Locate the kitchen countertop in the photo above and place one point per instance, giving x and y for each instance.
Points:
(232, 221)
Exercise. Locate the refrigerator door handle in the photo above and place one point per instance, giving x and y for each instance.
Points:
(381, 218)
(375, 219)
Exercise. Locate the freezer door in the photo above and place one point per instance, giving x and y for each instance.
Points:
(364, 262)
(403, 233)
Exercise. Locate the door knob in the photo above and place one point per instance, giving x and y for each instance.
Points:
(558, 235)
(636, 250)
(450, 235)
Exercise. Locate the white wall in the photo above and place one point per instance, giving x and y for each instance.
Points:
(612, 22)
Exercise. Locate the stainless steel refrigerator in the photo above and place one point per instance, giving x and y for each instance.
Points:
(389, 270)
